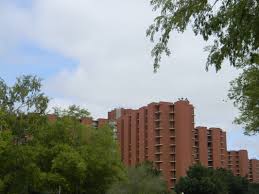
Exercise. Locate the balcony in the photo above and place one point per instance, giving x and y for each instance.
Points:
(171, 119)
(158, 128)
(159, 161)
(158, 144)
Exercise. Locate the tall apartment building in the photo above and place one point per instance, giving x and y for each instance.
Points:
(238, 162)
(211, 147)
(164, 133)
(159, 132)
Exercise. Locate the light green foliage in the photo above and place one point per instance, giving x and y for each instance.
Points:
(24, 96)
(233, 25)
(22, 106)
(73, 112)
(61, 155)
(143, 179)
(245, 93)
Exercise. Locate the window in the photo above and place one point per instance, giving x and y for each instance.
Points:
(171, 124)
(171, 108)
(173, 158)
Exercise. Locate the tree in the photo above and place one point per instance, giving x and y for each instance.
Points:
(22, 106)
(245, 93)
(203, 180)
(235, 184)
(139, 180)
(200, 180)
(51, 156)
(253, 188)
(234, 26)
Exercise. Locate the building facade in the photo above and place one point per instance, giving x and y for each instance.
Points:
(159, 132)
(253, 171)
(88, 121)
(211, 147)
(165, 134)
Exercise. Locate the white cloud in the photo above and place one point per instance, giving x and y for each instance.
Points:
(14, 23)
(115, 68)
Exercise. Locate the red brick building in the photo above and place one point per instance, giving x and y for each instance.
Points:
(164, 133)
(253, 171)
(211, 147)
(238, 162)
(159, 132)
(89, 121)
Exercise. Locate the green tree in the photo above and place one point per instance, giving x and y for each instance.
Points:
(141, 179)
(245, 93)
(253, 188)
(22, 106)
(235, 184)
(202, 180)
(53, 156)
(234, 27)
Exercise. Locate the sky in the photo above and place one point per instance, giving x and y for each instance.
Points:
(95, 54)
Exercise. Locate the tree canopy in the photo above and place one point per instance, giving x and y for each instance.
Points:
(202, 180)
(141, 179)
(49, 156)
(245, 93)
(233, 27)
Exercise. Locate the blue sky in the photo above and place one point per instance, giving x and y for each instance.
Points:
(101, 60)
(29, 58)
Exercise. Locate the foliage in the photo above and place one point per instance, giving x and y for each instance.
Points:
(235, 184)
(233, 24)
(22, 106)
(141, 179)
(253, 188)
(73, 112)
(203, 180)
(200, 180)
(54, 156)
(234, 27)
(245, 93)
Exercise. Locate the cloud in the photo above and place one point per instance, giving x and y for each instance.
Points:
(114, 68)
(14, 22)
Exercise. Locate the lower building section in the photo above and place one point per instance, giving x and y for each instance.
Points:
(253, 170)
